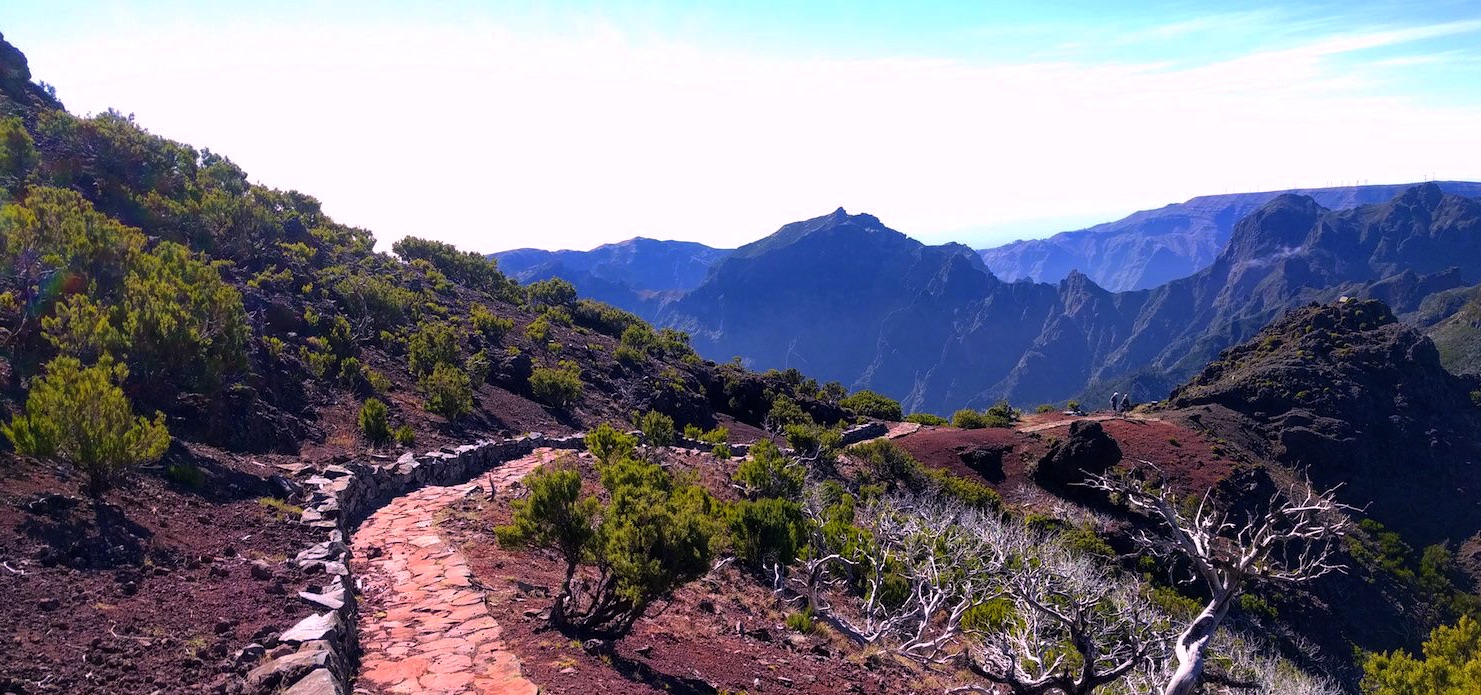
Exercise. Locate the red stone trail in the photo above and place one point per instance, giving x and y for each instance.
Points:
(424, 627)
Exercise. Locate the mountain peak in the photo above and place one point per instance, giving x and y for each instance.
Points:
(838, 223)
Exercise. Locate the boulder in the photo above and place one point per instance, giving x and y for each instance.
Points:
(1087, 451)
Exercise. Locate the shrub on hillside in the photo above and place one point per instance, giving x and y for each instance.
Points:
(884, 462)
(80, 416)
(968, 419)
(785, 411)
(434, 343)
(551, 292)
(658, 429)
(653, 537)
(927, 419)
(485, 323)
(375, 421)
(607, 444)
(558, 387)
(466, 267)
(874, 405)
(769, 473)
(447, 391)
(767, 532)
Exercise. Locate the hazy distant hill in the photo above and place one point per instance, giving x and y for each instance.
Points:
(844, 297)
(1151, 247)
(628, 274)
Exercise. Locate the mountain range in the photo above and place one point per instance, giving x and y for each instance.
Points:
(1152, 247)
(846, 298)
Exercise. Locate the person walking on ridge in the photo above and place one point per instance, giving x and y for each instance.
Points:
(1115, 401)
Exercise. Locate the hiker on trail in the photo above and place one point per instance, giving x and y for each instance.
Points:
(1126, 404)
(1115, 401)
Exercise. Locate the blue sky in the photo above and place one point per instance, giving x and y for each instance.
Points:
(499, 125)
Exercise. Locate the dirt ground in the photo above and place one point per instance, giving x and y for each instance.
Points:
(150, 589)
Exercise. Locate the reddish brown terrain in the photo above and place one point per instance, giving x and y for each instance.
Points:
(151, 590)
(1190, 458)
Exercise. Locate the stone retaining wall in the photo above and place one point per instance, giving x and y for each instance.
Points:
(317, 655)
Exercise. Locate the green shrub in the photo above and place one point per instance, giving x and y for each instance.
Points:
(885, 462)
(185, 324)
(721, 450)
(927, 419)
(628, 356)
(814, 442)
(433, 344)
(479, 366)
(651, 538)
(1449, 664)
(375, 421)
(1000, 415)
(485, 323)
(965, 490)
(447, 391)
(766, 532)
(968, 419)
(473, 270)
(80, 416)
(186, 474)
(769, 473)
(873, 405)
(801, 621)
(551, 292)
(602, 318)
(380, 383)
(657, 428)
(785, 411)
(539, 330)
(405, 436)
(80, 328)
(607, 444)
(1044, 408)
(558, 387)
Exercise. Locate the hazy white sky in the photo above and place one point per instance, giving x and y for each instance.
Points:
(501, 125)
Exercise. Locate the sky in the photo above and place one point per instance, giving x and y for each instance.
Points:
(498, 125)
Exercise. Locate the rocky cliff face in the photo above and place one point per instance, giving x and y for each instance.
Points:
(1350, 395)
(1152, 247)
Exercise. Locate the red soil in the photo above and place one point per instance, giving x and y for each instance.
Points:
(1190, 460)
(150, 590)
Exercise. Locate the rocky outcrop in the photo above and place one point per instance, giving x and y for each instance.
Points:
(1351, 396)
(1088, 450)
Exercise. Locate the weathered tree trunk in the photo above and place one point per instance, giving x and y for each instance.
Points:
(1192, 645)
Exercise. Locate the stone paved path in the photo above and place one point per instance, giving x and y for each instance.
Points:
(424, 627)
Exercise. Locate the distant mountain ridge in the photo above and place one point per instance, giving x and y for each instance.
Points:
(628, 274)
(1152, 247)
(844, 297)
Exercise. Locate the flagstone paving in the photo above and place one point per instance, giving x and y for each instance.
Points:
(424, 627)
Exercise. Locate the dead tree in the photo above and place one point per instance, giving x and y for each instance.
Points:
(1074, 629)
(949, 559)
(1292, 539)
